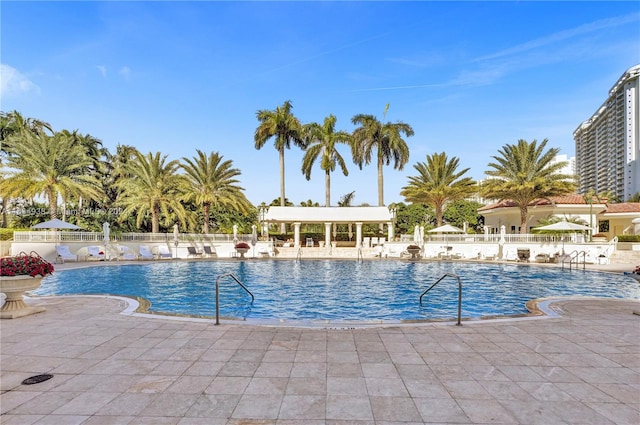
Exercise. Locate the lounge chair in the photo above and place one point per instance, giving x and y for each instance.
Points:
(209, 252)
(192, 251)
(366, 242)
(145, 253)
(94, 253)
(125, 253)
(374, 241)
(164, 252)
(63, 253)
(310, 242)
(266, 251)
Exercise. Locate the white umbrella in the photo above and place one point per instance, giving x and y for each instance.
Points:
(254, 238)
(176, 237)
(235, 233)
(563, 226)
(447, 228)
(416, 235)
(105, 231)
(56, 224)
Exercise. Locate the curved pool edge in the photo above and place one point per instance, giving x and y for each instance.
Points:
(541, 308)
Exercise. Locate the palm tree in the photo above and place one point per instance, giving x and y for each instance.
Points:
(437, 183)
(309, 203)
(286, 129)
(321, 142)
(347, 199)
(386, 139)
(50, 166)
(213, 182)
(154, 188)
(523, 173)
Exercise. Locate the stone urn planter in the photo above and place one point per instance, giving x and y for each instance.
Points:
(414, 250)
(242, 248)
(19, 274)
(14, 288)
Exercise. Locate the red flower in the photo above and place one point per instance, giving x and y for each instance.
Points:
(25, 265)
(242, 245)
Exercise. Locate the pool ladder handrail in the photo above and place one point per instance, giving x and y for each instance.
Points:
(218, 293)
(576, 257)
(459, 293)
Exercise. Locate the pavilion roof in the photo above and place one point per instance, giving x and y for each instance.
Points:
(328, 215)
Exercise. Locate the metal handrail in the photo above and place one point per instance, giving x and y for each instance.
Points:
(218, 293)
(459, 293)
(576, 257)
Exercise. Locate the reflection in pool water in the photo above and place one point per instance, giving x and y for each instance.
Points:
(338, 290)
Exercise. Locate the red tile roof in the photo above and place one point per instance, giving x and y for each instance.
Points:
(573, 199)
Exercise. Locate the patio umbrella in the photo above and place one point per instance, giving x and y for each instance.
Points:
(235, 233)
(416, 235)
(55, 224)
(176, 237)
(563, 226)
(447, 228)
(105, 231)
(254, 238)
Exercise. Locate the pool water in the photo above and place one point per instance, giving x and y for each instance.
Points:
(336, 289)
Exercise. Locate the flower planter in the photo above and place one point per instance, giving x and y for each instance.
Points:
(14, 287)
(242, 251)
(414, 253)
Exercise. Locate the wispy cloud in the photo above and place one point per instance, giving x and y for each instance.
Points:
(125, 72)
(13, 82)
(102, 69)
(563, 35)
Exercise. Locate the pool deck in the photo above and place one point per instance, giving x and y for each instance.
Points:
(579, 365)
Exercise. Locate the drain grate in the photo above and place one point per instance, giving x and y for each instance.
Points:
(37, 379)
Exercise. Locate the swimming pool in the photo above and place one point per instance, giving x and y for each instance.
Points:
(337, 290)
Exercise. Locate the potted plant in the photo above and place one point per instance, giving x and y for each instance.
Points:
(18, 274)
(414, 250)
(242, 248)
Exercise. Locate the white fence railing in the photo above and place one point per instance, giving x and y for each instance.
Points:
(74, 236)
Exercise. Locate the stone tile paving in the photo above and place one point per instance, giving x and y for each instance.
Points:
(581, 368)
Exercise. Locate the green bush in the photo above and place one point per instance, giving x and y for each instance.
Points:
(6, 234)
(628, 238)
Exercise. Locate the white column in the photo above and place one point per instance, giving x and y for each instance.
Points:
(390, 231)
(296, 232)
(358, 235)
(327, 235)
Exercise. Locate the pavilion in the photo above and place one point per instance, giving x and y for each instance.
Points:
(329, 216)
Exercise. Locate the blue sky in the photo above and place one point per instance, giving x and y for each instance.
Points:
(469, 77)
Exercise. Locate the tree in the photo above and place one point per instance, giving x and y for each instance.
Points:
(321, 143)
(50, 166)
(523, 173)
(154, 189)
(385, 139)
(213, 182)
(285, 128)
(461, 211)
(309, 203)
(589, 197)
(347, 199)
(437, 183)
(634, 198)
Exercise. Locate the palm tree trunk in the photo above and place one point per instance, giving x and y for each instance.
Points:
(283, 226)
(155, 221)
(327, 188)
(380, 182)
(53, 207)
(523, 220)
(205, 210)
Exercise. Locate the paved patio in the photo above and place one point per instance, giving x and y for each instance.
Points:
(582, 367)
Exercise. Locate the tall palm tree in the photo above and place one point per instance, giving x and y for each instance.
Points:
(213, 182)
(50, 166)
(386, 139)
(347, 199)
(523, 173)
(321, 143)
(286, 129)
(154, 188)
(13, 124)
(437, 183)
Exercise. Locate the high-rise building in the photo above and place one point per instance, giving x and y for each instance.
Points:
(608, 143)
